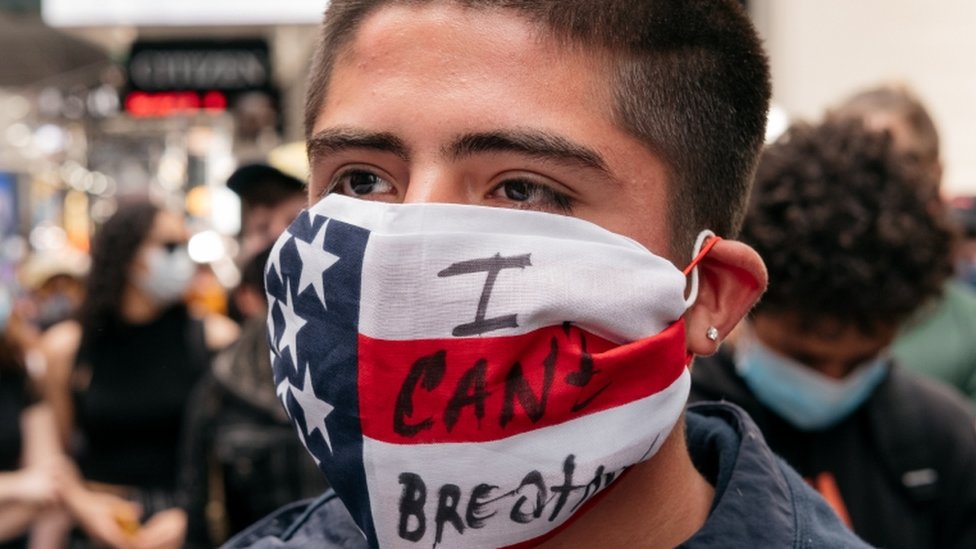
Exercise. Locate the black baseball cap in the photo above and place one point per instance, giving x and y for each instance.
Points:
(264, 184)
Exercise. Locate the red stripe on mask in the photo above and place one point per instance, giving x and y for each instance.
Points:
(483, 389)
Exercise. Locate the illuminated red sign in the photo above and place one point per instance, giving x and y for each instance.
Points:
(171, 103)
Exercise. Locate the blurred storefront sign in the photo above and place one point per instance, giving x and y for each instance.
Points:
(199, 65)
(158, 104)
(180, 77)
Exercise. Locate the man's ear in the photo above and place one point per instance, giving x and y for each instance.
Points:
(732, 277)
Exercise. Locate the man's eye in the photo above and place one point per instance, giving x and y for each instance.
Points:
(519, 191)
(532, 195)
(360, 183)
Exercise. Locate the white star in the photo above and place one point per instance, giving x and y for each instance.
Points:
(282, 391)
(274, 260)
(315, 261)
(314, 409)
(293, 323)
(304, 440)
(272, 323)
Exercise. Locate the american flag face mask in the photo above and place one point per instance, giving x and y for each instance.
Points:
(469, 376)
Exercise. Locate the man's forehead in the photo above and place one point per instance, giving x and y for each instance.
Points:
(445, 16)
(446, 25)
(414, 82)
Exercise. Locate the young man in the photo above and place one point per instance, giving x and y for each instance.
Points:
(937, 341)
(484, 342)
(853, 249)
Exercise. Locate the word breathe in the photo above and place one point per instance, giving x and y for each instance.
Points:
(473, 510)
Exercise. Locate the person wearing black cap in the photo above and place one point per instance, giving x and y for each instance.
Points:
(270, 200)
(241, 459)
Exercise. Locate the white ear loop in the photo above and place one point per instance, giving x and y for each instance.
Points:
(699, 242)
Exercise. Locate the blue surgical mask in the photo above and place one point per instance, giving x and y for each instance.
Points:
(807, 399)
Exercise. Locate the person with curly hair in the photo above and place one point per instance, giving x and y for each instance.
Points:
(120, 376)
(853, 249)
(938, 340)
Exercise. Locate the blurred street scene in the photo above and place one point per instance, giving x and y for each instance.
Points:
(152, 152)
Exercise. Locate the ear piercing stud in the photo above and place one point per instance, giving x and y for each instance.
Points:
(712, 333)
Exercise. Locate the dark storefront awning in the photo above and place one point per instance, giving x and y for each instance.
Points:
(33, 54)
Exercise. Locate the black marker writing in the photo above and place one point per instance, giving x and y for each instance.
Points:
(491, 265)
(447, 503)
(533, 479)
(470, 391)
(582, 377)
(479, 500)
(516, 386)
(428, 370)
(412, 500)
(528, 502)
(471, 397)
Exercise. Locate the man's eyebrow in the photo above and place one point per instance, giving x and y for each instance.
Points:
(333, 140)
(536, 144)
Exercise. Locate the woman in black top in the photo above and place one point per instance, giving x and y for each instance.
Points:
(121, 375)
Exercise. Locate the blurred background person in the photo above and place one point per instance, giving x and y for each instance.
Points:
(52, 286)
(964, 211)
(55, 283)
(29, 448)
(119, 376)
(270, 200)
(41, 492)
(938, 340)
(853, 249)
(242, 459)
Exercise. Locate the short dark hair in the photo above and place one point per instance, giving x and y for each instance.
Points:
(847, 234)
(689, 79)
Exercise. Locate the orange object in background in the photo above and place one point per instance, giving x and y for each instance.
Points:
(126, 519)
(206, 294)
(827, 486)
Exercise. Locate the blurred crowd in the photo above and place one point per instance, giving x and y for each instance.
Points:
(134, 413)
